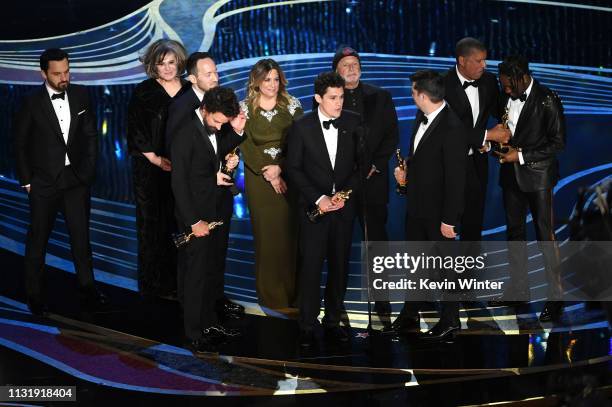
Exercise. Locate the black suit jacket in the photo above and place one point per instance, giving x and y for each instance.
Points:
(436, 170)
(40, 146)
(194, 171)
(308, 166)
(382, 137)
(381, 133)
(540, 134)
(488, 103)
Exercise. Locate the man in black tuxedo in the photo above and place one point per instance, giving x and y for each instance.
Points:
(435, 181)
(529, 171)
(473, 94)
(197, 146)
(56, 146)
(203, 76)
(321, 162)
(379, 120)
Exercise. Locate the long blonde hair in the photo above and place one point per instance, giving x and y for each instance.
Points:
(257, 75)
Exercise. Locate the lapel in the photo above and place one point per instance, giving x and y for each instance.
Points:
(527, 109)
(49, 112)
(73, 115)
(482, 98)
(415, 128)
(195, 102)
(464, 107)
(319, 140)
(204, 137)
(431, 128)
(343, 141)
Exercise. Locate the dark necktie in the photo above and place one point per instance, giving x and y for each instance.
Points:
(522, 98)
(332, 122)
(467, 84)
(58, 96)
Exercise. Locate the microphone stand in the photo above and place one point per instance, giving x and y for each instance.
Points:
(363, 172)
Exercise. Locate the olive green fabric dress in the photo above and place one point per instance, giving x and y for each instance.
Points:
(273, 216)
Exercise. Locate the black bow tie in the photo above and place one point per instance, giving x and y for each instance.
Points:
(424, 120)
(58, 96)
(467, 84)
(522, 98)
(332, 122)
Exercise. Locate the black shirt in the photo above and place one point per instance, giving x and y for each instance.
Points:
(353, 100)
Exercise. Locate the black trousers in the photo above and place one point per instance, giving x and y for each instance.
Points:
(474, 206)
(376, 219)
(73, 199)
(219, 240)
(198, 281)
(540, 203)
(421, 230)
(225, 208)
(376, 215)
(329, 239)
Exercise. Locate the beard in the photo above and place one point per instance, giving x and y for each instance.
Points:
(210, 130)
(59, 86)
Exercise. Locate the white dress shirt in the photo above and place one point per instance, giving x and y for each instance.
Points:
(473, 97)
(331, 142)
(62, 111)
(423, 127)
(515, 107)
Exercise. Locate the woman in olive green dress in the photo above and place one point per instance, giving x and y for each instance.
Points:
(270, 110)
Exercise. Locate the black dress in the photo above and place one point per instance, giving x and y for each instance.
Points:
(157, 257)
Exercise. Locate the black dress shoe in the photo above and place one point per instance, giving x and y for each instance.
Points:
(552, 312)
(306, 338)
(404, 325)
(226, 332)
(442, 331)
(37, 308)
(228, 308)
(336, 334)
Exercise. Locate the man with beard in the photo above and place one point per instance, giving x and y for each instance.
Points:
(56, 144)
(202, 77)
(197, 147)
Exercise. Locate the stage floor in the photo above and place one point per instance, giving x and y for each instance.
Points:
(134, 352)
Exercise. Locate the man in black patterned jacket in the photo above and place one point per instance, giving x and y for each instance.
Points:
(529, 171)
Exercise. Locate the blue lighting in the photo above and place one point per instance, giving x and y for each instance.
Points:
(432, 49)
(348, 10)
(118, 151)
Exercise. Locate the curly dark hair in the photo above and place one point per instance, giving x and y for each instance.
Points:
(326, 80)
(221, 99)
(515, 67)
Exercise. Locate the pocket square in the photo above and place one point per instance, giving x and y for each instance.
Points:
(81, 112)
